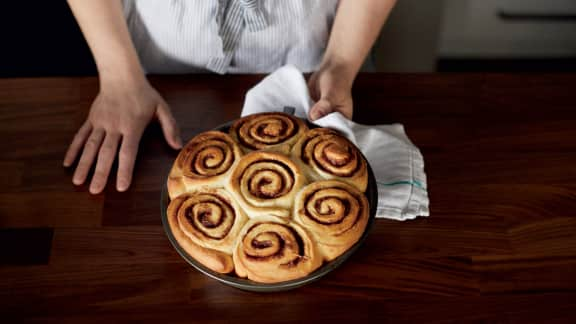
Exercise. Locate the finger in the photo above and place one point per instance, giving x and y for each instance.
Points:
(312, 87)
(126, 159)
(347, 111)
(77, 143)
(90, 149)
(105, 159)
(320, 109)
(169, 126)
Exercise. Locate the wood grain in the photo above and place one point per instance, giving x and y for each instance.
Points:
(500, 246)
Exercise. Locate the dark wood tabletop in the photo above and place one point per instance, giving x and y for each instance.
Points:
(500, 244)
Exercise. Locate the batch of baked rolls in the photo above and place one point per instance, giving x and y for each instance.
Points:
(271, 200)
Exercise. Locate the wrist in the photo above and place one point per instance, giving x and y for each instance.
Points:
(343, 71)
(120, 69)
(121, 78)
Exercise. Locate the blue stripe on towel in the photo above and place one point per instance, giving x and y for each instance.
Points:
(414, 183)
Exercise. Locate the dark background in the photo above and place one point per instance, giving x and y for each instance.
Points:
(41, 38)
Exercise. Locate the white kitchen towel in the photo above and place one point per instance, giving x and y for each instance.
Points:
(397, 164)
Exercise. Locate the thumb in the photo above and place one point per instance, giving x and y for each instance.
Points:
(169, 126)
(320, 109)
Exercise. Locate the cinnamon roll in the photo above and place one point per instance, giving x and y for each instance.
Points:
(206, 225)
(265, 183)
(336, 214)
(206, 161)
(272, 250)
(325, 154)
(268, 131)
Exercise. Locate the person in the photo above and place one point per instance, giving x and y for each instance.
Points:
(128, 39)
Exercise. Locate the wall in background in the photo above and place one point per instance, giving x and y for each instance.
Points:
(508, 35)
(41, 38)
(409, 41)
(478, 28)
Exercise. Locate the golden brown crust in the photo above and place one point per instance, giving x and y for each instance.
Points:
(268, 131)
(206, 224)
(265, 183)
(175, 185)
(325, 155)
(272, 249)
(336, 214)
(257, 214)
(205, 161)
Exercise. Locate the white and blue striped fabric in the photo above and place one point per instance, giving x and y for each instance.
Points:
(229, 36)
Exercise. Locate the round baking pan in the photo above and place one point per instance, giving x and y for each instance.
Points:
(245, 284)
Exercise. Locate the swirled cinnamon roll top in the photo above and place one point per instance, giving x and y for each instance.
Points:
(270, 200)
(206, 224)
(273, 250)
(335, 212)
(326, 154)
(206, 160)
(268, 131)
(265, 183)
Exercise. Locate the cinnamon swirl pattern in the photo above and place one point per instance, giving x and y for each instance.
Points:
(334, 212)
(272, 250)
(269, 201)
(276, 132)
(206, 225)
(325, 154)
(206, 161)
(265, 183)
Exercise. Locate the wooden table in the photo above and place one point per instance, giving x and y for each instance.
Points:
(500, 244)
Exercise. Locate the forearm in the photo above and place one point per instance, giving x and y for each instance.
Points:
(104, 27)
(356, 27)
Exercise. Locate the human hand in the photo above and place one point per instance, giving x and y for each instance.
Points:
(331, 90)
(120, 113)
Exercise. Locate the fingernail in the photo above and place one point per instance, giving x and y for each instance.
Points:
(95, 189)
(314, 115)
(318, 115)
(122, 186)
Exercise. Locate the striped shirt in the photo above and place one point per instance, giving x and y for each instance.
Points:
(187, 36)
